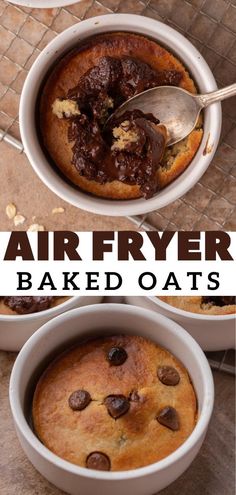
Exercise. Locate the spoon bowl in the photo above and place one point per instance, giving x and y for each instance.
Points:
(175, 107)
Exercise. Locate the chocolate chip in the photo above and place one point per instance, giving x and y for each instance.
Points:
(168, 417)
(98, 461)
(168, 375)
(79, 399)
(133, 396)
(117, 405)
(117, 356)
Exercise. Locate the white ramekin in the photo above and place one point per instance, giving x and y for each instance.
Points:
(44, 4)
(212, 332)
(170, 38)
(15, 330)
(108, 319)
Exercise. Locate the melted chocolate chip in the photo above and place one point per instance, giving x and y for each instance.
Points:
(99, 92)
(218, 300)
(79, 399)
(102, 78)
(98, 461)
(168, 375)
(27, 304)
(117, 356)
(169, 417)
(137, 76)
(117, 405)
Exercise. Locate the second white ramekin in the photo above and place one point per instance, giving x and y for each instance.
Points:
(108, 319)
(212, 332)
(44, 4)
(171, 39)
(15, 330)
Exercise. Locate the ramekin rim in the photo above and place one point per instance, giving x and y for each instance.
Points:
(38, 3)
(189, 314)
(197, 433)
(45, 312)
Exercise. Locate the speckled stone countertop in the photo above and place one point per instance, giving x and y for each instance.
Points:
(211, 473)
(35, 202)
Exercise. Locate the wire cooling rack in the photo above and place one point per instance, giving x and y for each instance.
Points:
(209, 25)
(222, 361)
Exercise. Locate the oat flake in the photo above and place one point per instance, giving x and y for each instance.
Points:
(58, 210)
(11, 210)
(18, 219)
(35, 227)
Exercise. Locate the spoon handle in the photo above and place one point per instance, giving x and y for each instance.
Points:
(220, 94)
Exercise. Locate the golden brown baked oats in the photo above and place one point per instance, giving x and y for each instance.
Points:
(84, 88)
(117, 403)
(206, 305)
(22, 305)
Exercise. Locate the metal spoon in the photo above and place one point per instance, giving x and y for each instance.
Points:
(175, 107)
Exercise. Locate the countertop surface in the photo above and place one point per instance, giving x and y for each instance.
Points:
(211, 473)
(36, 203)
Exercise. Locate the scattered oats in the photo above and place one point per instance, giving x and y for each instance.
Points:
(18, 219)
(11, 210)
(35, 227)
(58, 210)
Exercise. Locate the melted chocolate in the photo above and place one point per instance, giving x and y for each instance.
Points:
(101, 90)
(28, 304)
(218, 300)
(121, 79)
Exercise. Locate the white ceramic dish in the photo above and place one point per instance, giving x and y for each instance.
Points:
(108, 319)
(167, 36)
(213, 333)
(16, 329)
(44, 4)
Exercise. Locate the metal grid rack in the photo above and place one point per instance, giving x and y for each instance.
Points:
(210, 26)
(222, 361)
